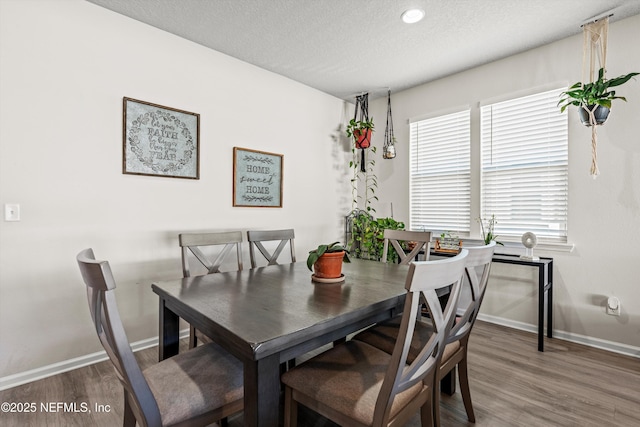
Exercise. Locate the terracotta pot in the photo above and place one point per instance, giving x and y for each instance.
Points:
(329, 265)
(601, 114)
(362, 137)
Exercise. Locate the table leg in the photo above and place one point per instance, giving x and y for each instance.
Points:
(169, 333)
(448, 382)
(550, 301)
(262, 392)
(541, 301)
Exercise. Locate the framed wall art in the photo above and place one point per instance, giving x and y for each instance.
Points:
(160, 141)
(257, 178)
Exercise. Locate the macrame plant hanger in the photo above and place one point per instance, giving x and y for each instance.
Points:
(594, 47)
(389, 149)
(362, 142)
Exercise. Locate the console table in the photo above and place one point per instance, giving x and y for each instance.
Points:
(545, 288)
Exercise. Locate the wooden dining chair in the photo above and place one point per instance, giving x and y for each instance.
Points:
(256, 237)
(394, 237)
(356, 384)
(198, 387)
(203, 248)
(384, 335)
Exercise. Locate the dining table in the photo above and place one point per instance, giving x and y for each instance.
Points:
(269, 315)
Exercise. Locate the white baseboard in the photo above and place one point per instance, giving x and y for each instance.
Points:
(21, 378)
(615, 347)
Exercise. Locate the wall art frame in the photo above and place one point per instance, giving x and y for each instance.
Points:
(159, 140)
(257, 178)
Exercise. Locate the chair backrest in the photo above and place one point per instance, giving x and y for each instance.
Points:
(423, 281)
(477, 269)
(100, 284)
(256, 237)
(422, 239)
(194, 243)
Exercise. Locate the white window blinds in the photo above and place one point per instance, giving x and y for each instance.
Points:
(440, 181)
(525, 166)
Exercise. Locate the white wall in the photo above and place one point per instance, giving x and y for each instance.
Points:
(66, 66)
(604, 214)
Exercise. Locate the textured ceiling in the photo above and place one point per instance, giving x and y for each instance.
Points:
(345, 47)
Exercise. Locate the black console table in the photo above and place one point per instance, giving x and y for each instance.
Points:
(545, 288)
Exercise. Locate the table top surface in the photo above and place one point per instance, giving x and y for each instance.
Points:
(270, 308)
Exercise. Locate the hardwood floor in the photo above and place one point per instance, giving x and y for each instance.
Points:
(512, 384)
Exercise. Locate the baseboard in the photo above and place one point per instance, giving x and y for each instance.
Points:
(21, 378)
(615, 347)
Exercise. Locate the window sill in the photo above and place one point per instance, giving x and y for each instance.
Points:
(516, 247)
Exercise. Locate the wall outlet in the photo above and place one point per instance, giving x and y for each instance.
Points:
(12, 212)
(613, 306)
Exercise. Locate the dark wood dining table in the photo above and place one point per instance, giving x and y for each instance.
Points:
(269, 315)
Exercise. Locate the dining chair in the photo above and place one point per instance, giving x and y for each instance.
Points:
(256, 237)
(198, 387)
(394, 237)
(203, 248)
(384, 335)
(357, 384)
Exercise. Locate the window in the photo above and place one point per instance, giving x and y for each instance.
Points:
(440, 178)
(525, 166)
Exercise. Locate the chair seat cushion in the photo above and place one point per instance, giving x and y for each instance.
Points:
(347, 379)
(383, 336)
(195, 382)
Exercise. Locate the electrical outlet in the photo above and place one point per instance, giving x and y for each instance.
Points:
(12, 212)
(613, 306)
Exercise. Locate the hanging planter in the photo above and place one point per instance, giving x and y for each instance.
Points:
(361, 130)
(600, 114)
(389, 149)
(362, 137)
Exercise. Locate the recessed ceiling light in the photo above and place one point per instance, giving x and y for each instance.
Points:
(412, 16)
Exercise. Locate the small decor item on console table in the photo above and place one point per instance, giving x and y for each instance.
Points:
(448, 243)
(326, 261)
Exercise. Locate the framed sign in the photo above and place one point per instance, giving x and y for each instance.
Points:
(160, 141)
(257, 178)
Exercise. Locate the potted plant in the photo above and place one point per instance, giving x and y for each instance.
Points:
(487, 228)
(327, 260)
(593, 99)
(360, 131)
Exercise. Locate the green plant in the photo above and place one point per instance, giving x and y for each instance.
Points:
(488, 230)
(359, 125)
(368, 234)
(324, 249)
(594, 93)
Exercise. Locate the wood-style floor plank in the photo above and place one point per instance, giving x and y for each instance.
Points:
(512, 384)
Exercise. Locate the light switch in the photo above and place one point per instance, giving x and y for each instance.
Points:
(12, 212)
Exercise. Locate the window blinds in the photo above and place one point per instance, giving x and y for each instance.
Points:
(440, 181)
(525, 166)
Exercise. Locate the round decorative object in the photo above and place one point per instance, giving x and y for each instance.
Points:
(327, 280)
(601, 114)
(529, 240)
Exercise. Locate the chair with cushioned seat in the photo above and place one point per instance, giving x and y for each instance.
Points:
(422, 240)
(256, 237)
(357, 384)
(383, 335)
(195, 388)
(198, 244)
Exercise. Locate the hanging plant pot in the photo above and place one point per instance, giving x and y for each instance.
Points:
(601, 114)
(362, 137)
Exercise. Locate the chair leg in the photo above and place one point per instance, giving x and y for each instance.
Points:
(224, 422)
(193, 341)
(435, 400)
(464, 389)
(427, 412)
(129, 417)
(290, 409)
